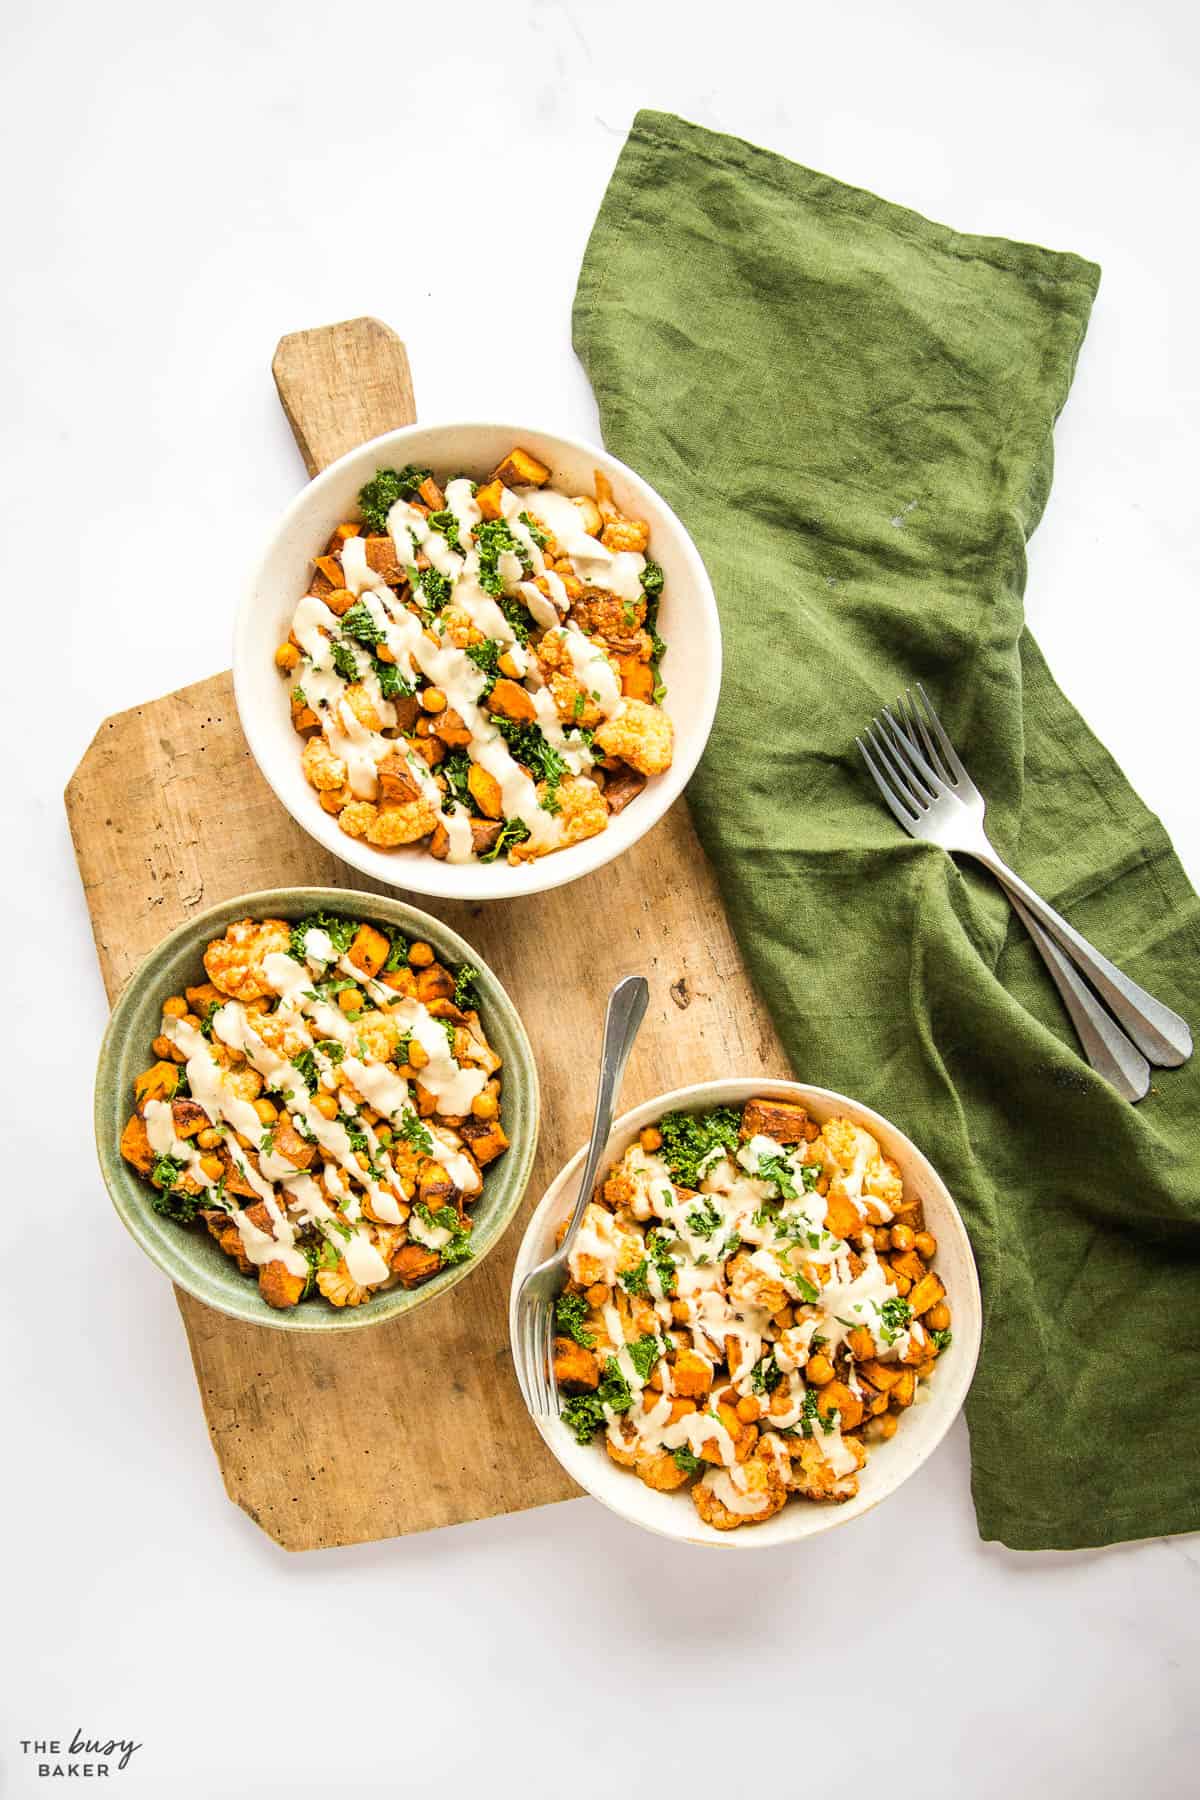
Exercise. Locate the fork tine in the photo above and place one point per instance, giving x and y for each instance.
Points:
(948, 750)
(542, 1346)
(900, 814)
(921, 769)
(533, 1330)
(913, 721)
(901, 775)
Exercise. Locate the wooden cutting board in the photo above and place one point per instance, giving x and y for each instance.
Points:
(369, 1434)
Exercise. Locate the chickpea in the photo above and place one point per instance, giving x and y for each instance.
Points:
(507, 664)
(433, 700)
(384, 1134)
(819, 1371)
(883, 1238)
(650, 1138)
(420, 954)
(903, 1237)
(597, 1294)
(350, 1000)
(209, 1139)
(362, 1159)
(938, 1317)
(485, 1106)
(887, 1425)
(266, 1111)
(783, 1319)
(326, 1105)
(175, 1008)
(748, 1409)
(418, 1055)
(212, 1166)
(925, 1245)
(287, 658)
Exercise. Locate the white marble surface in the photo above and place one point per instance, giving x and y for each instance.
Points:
(185, 185)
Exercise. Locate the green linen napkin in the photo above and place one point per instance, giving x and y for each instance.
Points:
(851, 408)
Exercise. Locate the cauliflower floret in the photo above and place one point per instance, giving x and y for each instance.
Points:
(603, 1248)
(607, 616)
(583, 813)
(378, 1034)
(641, 735)
(573, 702)
(638, 1183)
(626, 534)
(882, 1181)
(362, 706)
(846, 1144)
(813, 1476)
(659, 1470)
(403, 824)
(750, 1285)
(339, 1286)
(322, 769)
(757, 1484)
(243, 1082)
(234, 963)
(283, 1033)
(357, 819)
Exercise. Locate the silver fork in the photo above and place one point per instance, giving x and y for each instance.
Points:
(533, 1324)
(923, 780)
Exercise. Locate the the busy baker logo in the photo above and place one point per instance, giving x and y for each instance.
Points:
(79, 1757)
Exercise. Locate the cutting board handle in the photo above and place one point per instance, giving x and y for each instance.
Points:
(342, 384)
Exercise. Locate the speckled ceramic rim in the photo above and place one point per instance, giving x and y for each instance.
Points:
(190, 1256)
(673, 1515)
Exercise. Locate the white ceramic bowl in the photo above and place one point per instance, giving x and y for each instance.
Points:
(889, 1464)
(687, 620)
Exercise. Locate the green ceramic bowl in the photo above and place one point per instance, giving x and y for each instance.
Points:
(187, 1253)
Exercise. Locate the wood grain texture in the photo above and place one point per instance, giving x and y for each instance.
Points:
(417, 1423)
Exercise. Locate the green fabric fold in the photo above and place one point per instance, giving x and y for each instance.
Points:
(851, 407)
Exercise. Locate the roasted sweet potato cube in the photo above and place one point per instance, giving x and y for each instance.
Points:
(432, 494)
(490, 499)
(383, 561)
(485, 791)
(450, 728)
(927, 1292)
(485, 1138)
(235, 1181)
(369, 950)
(305, 720)
(397, 783)
(575, 1367)
(426, 1102)
(512, 701)
(435, 983)
(157, 1082)
(909, 1211)
(521, 469)
(413, 1263)
(187, 1118)
(904, 1388)
(347, 529)
(331, 569)
(883, 1376)
(202, 997)
(621, 785)
(842, 1217)
(135, 1145)
(289, 1143)
(278, 1286)
(434, 1185)
(862, 1344)
(484, 833)
(691, 1374)
(637, 678)
(908, 1263)
(835, 1395)
(782, 1120)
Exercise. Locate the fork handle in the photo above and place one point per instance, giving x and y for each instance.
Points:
(1160, 1034)
(626, 1009)
(1105, 1045)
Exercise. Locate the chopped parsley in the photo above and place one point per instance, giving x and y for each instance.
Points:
(644, 1352)
(942, 1340)
(766, 1375)
(530, 746)
(357, 623)
(778, 1170)
(704, 1220)
(458, 1247)
(686, 1459)
(652, 579)
(464, 987)
(895, 1316)
(659, 1245)
(689, 1137)
(636, 1281)
(338, 930)
(570, 1311)
(354, 1131)
(444, 522)
(540, 537)
(397, 956)
(410, 1128)
(517, 616)
(492, 538)
(486, 657)
(435, 589)
(377, 498)
(345, 659)
(392, 684)
(809, 1415)
(457, 770)
(583, 1415)
(170, 1200)
(515, 832)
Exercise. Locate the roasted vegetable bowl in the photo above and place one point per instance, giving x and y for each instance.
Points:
(756, 1329)
(315, 1108)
